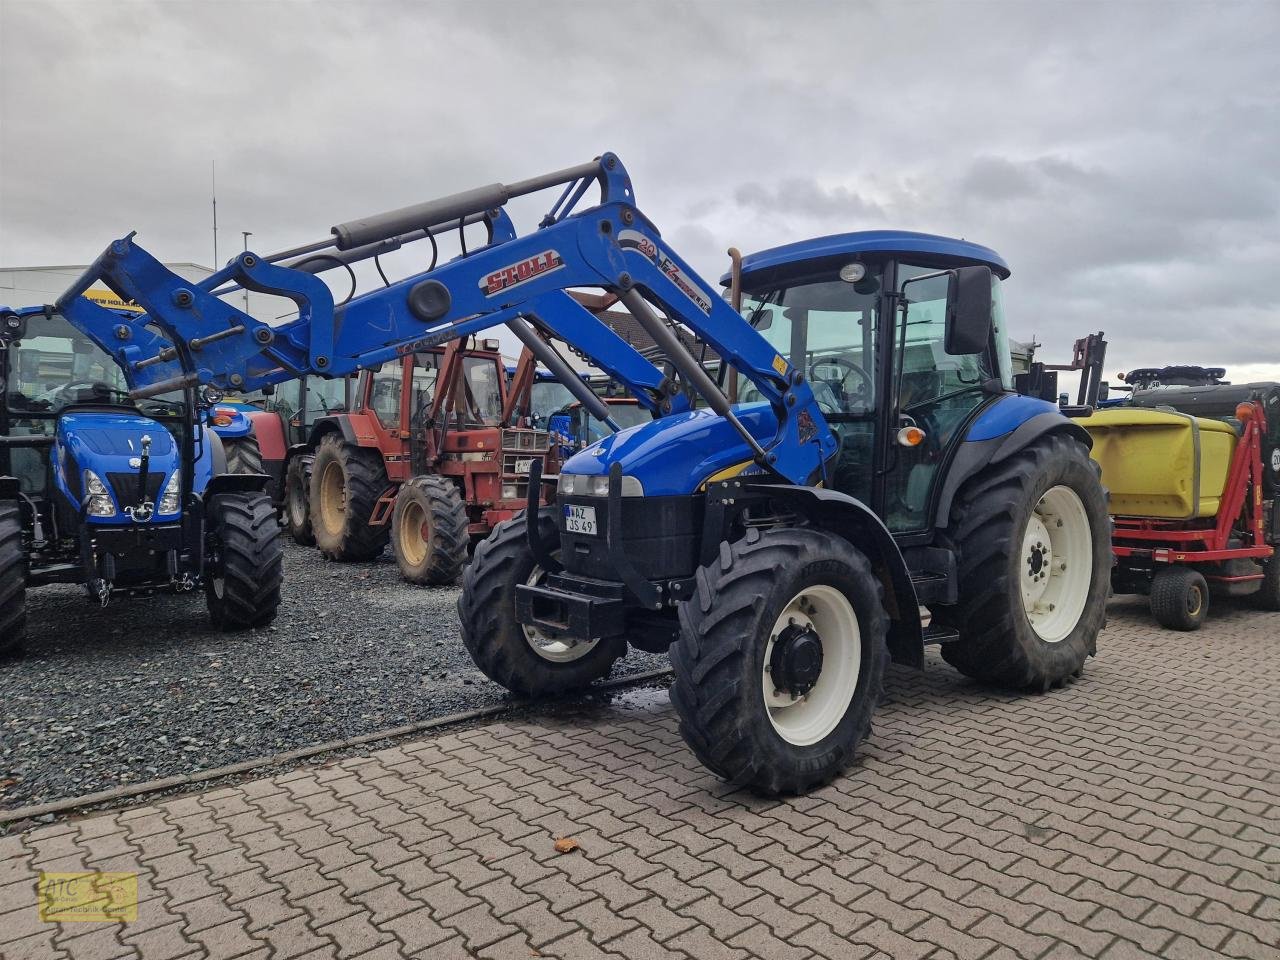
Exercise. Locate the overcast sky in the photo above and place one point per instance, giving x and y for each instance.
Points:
(1124, 158)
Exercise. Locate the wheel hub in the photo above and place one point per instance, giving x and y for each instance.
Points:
(796, 661)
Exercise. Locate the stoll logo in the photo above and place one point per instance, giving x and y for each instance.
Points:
(521, 272)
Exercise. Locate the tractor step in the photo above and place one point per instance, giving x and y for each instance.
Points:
(936, 633)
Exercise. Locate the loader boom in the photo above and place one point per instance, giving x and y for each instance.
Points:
(611, 246)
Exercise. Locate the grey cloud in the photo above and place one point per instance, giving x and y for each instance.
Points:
(1121, 157)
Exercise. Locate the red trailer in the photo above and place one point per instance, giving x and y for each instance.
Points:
(1180, 562)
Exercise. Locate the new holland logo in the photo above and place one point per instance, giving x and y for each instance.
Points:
(522, 272)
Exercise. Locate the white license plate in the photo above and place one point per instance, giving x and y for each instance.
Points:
(522, 466)
(579, 519)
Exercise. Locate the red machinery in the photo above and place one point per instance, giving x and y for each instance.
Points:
(1179, 561)
(428, 457)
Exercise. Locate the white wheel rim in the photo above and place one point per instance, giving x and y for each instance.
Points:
(806, 720)
(1055, 564)
(548, 648)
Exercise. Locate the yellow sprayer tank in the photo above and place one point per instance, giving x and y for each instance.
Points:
(1160, 463)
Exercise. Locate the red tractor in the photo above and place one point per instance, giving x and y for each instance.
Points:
(427, 458)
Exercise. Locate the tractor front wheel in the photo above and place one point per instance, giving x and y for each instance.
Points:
(781, 659)
(346, 482)
(246, 564)
(13, 581)
(429, 531)
(297, 510)
(1034, 543)
(521, 658)
(1179, 598)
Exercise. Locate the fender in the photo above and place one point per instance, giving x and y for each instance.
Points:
(337, 424)
(268, 428)
(857, 523)
(977, 453)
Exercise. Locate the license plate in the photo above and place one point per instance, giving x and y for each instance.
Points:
(579, 519)
(522, 466)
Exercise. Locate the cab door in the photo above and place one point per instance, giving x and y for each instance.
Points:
(932, 396)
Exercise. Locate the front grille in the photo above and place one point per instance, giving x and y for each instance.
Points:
(534, 441)
(125, 486)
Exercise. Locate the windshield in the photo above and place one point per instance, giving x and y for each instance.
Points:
(826, 327)
(625, 415)
(55, 366)
(546, 398)
(483, 389)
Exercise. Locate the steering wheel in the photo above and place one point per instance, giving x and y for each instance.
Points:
(862, 380)
(96, 386)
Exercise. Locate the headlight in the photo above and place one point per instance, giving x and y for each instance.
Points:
(509, 491)
(169, 496)
(100, 504)
(577, 485)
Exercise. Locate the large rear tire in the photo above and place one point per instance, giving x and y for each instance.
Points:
(521, 658)
(1034, 543)
(243, 454)
(13, 582)
(429, 531)
(246, 567)
(346, 482)
(297, 510)
(1179, 598)
(757, 704)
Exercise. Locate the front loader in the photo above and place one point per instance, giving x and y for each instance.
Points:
(877, 486)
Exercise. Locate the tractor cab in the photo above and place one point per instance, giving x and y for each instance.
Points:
(864, 316)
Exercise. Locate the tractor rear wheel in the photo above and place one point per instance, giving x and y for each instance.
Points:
(346, 482)
(243, 454)
(1034, 544)
(1179, 598)
(781, 659)
(1268, 595)
(13, 581)
(429, 531)
(521, 658)
(297, 511)
(246, 566)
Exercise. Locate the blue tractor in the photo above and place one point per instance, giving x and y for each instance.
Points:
(853, 479)
(123, 496)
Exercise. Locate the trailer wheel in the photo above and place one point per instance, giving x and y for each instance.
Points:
(521, 658)
(1179, 598)
(346, 482)
(1268, 595)
(781, 659)
(429, 531)
(13, 581)
(246, 563)
(1034, 543)
(297, 511)
(243, 454)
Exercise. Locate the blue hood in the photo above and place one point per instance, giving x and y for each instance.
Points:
(105, 443)
(676, 454)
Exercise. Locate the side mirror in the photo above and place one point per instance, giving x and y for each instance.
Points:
(968, 325)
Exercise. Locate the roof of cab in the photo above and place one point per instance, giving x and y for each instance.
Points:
(872, 241)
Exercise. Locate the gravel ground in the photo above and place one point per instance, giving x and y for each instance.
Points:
(145, 689)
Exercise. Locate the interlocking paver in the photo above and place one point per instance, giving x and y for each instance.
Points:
(1130, 814)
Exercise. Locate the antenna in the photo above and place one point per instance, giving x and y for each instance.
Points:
(214, 180)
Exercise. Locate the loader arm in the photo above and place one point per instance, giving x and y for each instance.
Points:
(611, 246)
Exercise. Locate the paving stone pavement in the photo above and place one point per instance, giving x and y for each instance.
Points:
(1135, 813)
